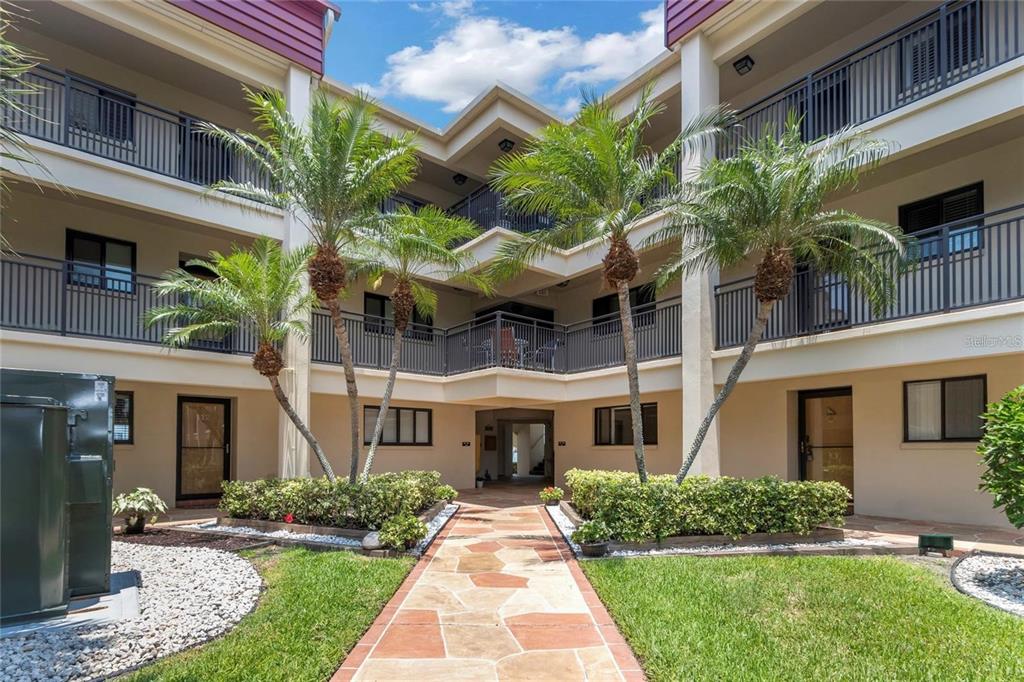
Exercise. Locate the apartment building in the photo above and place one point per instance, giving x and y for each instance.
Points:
(530, 381)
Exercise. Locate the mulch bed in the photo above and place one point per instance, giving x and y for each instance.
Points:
(177, 538)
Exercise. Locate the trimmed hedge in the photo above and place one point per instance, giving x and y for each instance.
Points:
(318, 502)
(704, 506)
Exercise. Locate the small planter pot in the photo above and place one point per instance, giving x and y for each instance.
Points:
(552, 503)
(134, 525)
(594, 549)
(479, 484)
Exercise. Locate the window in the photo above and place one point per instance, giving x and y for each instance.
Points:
(959, 204)
(377, 306)
(402, 426)
(641, 300)
(943, 409)
(614, 425)
(102, 110)
(919, 49)
(124, 417)
(101, 262)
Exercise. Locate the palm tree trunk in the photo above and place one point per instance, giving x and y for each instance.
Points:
(345, 346)
(633, 376)
(764, 311)
(385, 403)
(286, 405)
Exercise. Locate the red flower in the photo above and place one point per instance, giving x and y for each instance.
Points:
(288, 518)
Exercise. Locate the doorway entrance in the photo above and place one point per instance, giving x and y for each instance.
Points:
(826, 436)
(204, 447)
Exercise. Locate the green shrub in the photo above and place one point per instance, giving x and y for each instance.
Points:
(634, 512)
(1002, 452)
(590, 532)
(446, 493)
(319, 502)
(138, 507)
(402, 531)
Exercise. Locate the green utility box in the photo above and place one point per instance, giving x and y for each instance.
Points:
(33, 508)
(89, 467)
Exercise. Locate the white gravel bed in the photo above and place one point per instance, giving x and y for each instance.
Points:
(433, 528)
(187, 595)
(567, 527)
(275, 535)
(998, 580)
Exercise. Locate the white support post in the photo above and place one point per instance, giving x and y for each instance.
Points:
(293, 451)
(699, 92)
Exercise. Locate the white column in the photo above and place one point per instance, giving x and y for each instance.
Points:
(293, 451)
(699, 91)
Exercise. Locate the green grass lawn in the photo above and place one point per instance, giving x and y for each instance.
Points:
(314, 610)
(755, 618)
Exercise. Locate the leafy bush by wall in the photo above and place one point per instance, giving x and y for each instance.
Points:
(318, 502)
(704, 506)
(1002, 452)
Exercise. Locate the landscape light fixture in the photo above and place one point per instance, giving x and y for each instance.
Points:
(459, 179)
(743, 65)
(506, 145)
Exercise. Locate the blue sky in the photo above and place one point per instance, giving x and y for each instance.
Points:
(430, 59)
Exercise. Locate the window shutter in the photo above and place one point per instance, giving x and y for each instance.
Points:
(961, 205)
(123, 417)
(920, 57)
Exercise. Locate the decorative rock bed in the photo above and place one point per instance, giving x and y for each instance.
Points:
(187, 596)
(996, 579)
(828, 541)
(321, 537)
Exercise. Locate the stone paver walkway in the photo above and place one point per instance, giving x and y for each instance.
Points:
(497, 597)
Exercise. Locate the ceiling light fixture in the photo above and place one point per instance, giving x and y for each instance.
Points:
(506, 145)
(743, 65)
(459, 179)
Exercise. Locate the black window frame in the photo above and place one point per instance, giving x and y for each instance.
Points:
(960, 240)
(368, 435)
(942, 407)
(83, 278)
(113, 117)
(611, 432)
(131, 419)
(963, 24)
(613, 325)
(420, 328)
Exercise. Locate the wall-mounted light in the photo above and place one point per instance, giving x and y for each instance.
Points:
(743, 65)
(459, 179)
(506, 145)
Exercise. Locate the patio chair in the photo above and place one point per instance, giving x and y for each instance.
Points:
(545, 355)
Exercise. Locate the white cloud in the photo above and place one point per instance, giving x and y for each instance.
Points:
(476, 51)
(613, 56)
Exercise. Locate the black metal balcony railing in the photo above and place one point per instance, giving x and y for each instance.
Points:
(487, 209)
(86, 300)
(945, 46)
(971, 262)
(88, 116)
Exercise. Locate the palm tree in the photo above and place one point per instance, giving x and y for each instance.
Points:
(332, 174)
(597, 178)
(766, 204)
(404, 246)
(259, 289)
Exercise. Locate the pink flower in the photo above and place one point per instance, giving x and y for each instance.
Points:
(288, 518)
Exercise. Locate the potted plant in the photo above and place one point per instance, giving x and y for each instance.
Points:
(551, 495)
(592, 537)
(138, 506)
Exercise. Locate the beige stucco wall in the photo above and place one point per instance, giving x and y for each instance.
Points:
(574, 425)
(452, 426)
(152, 460)
(930, 481)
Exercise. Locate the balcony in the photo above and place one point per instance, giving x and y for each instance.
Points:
(84, 300)
(964, 264)
(939, 49)
(487, 209)
(81, 114)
